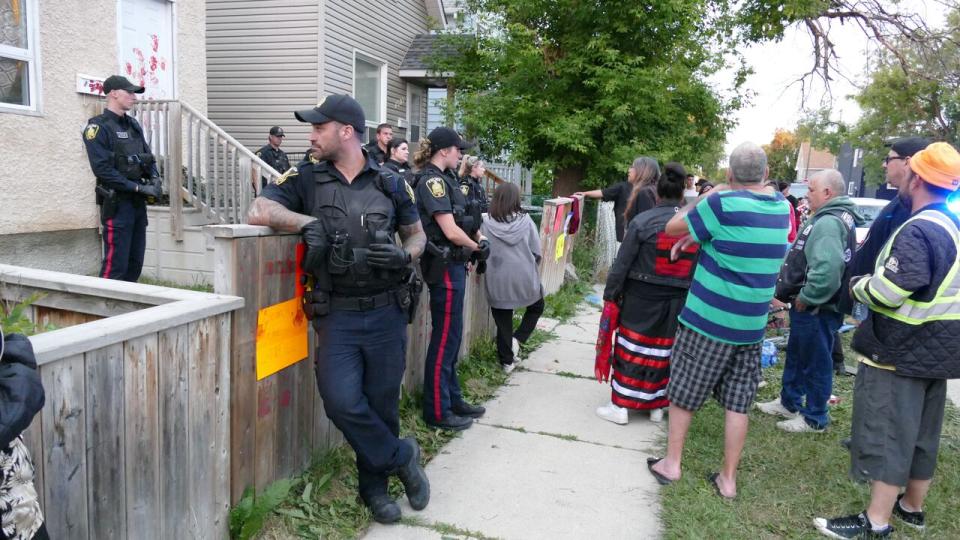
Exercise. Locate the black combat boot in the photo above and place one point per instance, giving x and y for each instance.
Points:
(414, 478)
(384, 509)
(465, 409)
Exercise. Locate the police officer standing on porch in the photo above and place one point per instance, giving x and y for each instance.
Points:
(127, 179)
(348, 211)
(452, 240)
(272, 155)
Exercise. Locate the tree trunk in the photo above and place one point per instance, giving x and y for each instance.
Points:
(567, 181)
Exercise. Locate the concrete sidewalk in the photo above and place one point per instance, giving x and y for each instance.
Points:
(540, 463)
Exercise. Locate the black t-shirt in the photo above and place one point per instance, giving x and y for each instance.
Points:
(292, 192)
(619, 193)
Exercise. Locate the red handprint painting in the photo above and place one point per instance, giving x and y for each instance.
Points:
(147, 46)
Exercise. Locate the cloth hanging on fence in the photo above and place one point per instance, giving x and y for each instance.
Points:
(574, 225)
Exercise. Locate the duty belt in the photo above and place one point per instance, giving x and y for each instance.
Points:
(362, 303)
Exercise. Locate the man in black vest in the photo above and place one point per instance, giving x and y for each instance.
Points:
(810, 279)
(127, 179)
(377, 149)
(272, 155)
(349, 211)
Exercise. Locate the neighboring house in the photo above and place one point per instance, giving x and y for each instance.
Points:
(269, 58)
(811, 161)
(51, 59)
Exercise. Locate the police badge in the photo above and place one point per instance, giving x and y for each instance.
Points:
(437, 187)
(90, 132)
(465, 189)
(409, 191)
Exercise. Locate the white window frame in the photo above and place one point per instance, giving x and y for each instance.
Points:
(413, 91)
(30, 55)
(370, 59)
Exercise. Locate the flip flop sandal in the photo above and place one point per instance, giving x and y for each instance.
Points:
(661, 479)
(712, 478)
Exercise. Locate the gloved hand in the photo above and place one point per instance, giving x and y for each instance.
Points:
(315, 238)
(387, 256)
(481, 267)
(151, 190)
(483, 252)
(609, 320)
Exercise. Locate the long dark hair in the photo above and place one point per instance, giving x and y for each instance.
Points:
(395, 143)
(505, 203)
(672, 182)
(648, 172)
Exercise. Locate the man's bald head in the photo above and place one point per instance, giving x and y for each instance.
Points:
(748, 164)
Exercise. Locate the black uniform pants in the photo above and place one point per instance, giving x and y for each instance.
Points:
(124, 241)
(359, 364)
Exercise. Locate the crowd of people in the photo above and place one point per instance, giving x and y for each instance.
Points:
(688, 297)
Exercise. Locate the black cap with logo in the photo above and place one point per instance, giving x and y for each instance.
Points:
(337, 107)
(444, 137)
(117, 82)
(277, 131)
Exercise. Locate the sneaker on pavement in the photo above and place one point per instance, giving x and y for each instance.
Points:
(915, 520)
(508, 368)
(656, 416)
(775, 408)
(855, 526)
(798, 425)
(516, 349)
(617, 415)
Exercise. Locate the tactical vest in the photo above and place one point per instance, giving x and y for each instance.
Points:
(354, 219)
(475, 202)
(131, 156)
(793, 272)
(457, 202)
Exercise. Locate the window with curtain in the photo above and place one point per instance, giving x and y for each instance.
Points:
(369, 87)
(17, 54)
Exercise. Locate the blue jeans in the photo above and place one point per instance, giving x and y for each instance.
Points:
(359, 364)
(808, 371)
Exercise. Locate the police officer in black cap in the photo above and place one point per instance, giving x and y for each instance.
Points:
(348, 211)
(127, 179)
(452, 240)
(272, 155)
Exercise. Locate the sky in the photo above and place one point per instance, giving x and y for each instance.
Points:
(778, 104)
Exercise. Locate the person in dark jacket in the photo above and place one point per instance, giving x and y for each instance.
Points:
(377, 149)
(21, 398)
(650, 291)
(632, 196)
(398, 151)
(272, 155)
(907, 348)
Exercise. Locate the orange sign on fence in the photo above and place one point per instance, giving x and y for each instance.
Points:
(281, 337)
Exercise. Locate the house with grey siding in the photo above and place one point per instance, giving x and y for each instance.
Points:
(268, 58)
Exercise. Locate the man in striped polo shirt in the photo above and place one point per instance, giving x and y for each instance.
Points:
(742, 228)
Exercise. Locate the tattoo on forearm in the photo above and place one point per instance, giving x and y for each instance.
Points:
(275, 215)
(413, 238)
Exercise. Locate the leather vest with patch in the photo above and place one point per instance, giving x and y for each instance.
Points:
(793, 272)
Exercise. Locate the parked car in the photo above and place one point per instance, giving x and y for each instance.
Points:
(868, 208)
(799, 190)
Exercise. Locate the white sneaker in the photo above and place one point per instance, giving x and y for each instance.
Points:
(617, 415)
(798, 425)
(508, 368)
(656, 416)
(516, 350)
(775, 408)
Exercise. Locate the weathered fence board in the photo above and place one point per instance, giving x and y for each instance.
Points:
(105, 444)
(142, 437)
(174, 394)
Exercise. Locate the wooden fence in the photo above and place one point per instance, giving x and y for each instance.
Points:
(133, 439)
(553, 232)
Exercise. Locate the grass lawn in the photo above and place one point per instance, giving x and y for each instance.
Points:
(786, 480)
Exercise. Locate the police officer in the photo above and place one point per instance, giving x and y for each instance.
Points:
(452, 239)
(348, 211)
(272, 155)
(377, 149)
(126, 178)
(472, 169)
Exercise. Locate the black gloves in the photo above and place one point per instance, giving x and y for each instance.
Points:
(315, 238)
(481, 268)
(483, 251)
(151, 190)
(387, 256)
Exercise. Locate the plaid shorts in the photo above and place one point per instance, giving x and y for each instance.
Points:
(700, 365)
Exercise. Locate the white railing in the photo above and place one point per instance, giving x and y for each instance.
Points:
(208, 168)
(515, 174)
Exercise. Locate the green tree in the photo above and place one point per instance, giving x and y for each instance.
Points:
(582, 88)
(782, 155)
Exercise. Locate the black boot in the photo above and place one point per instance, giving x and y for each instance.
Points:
(451, 422)
(414, 478)
(384, 508)
(465, 409)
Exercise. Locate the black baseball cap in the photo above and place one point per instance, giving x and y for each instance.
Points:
(908, 146)
(336, 107)
(444, 137)
(117, 82)
(277, 131)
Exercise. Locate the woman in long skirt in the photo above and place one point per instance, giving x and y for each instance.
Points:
(643, 297)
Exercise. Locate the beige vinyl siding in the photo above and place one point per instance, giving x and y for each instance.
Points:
(381, 29)
(262, 64)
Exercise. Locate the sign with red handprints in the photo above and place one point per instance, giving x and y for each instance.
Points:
(146, 46)
(87, 84)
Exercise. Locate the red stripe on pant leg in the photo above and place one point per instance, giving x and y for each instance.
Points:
(438, 364)
(661, 342)
(110, 247)
(643, 385)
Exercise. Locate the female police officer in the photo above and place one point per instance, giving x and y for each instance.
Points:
(352, 210)
(443, 211)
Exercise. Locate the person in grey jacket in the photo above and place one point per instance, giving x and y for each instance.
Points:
(513, 277)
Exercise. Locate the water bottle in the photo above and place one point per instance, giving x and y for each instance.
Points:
(768, 354)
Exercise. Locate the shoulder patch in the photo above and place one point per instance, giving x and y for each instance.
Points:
(410, 191)
(438, 188)
(465, 189)
(313, 158)
(90, 132)
(291, 172)
(258, 153)
(892, 264)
